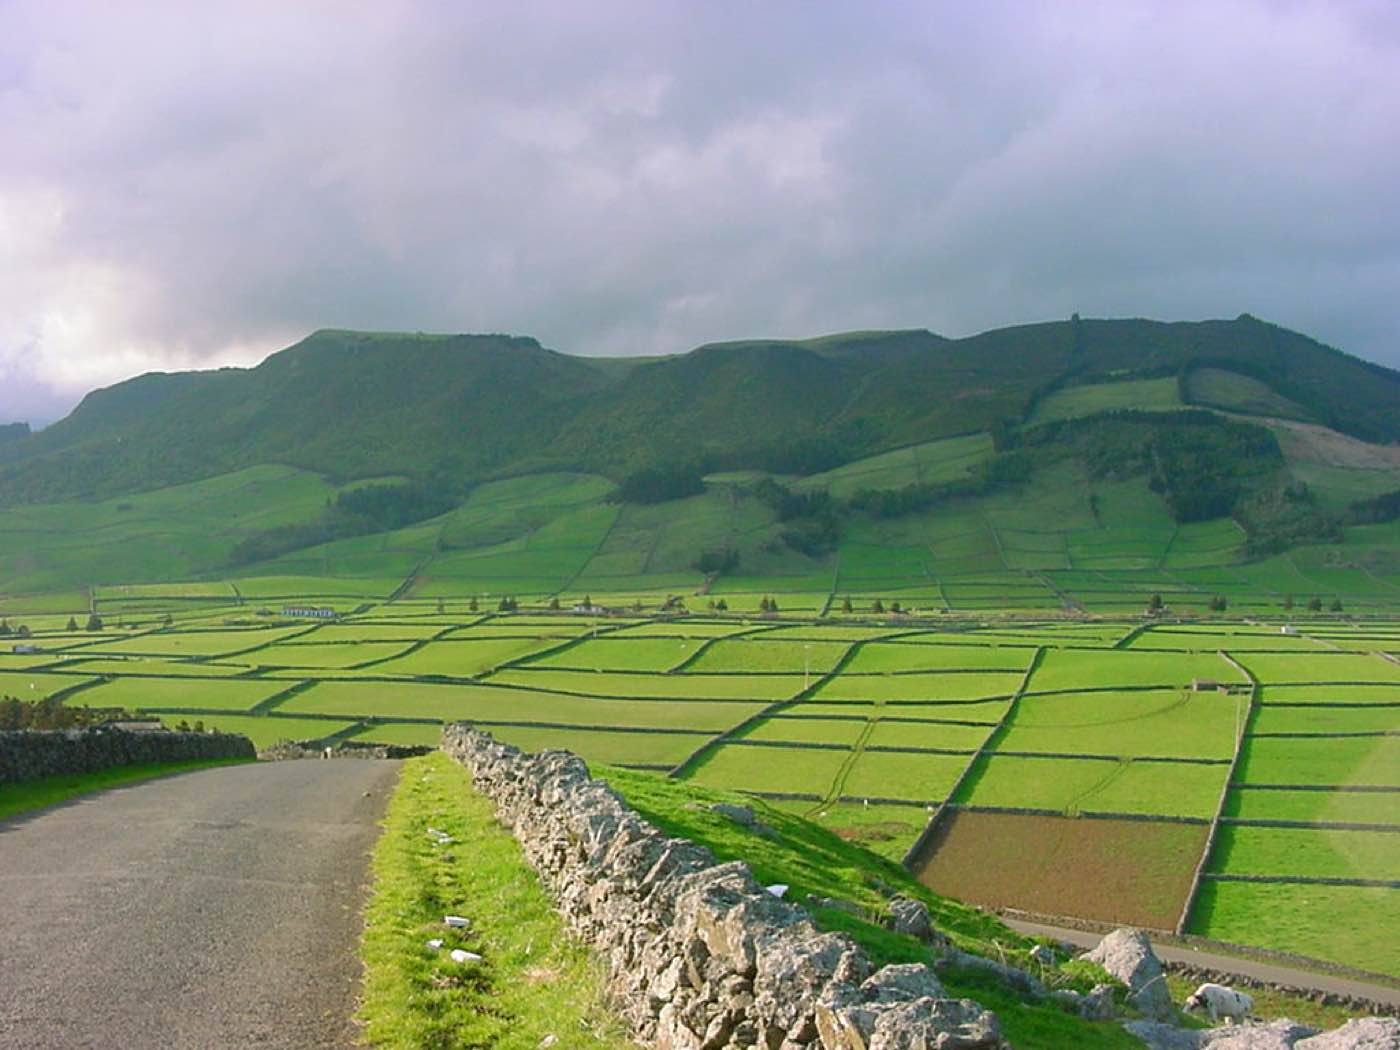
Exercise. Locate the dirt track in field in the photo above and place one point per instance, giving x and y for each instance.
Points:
(218, 908)
(1115, 871)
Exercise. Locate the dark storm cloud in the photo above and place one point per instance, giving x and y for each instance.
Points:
(184, 185)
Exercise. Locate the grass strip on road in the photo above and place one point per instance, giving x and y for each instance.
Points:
(534, 981)
(26, 795)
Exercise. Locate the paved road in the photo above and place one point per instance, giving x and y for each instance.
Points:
(218, 908)
(1259, 971)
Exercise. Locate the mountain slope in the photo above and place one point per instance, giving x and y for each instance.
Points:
(465, 408)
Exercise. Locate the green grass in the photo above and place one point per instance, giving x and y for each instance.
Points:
(534, 981)
(881, 657)
(807, 730)
(882, 829)
(1244, 850)
(461, 657)
(1178, 723)
(763, 654)
(264, 732)
(1320, 667)
(776, 769)
(27, 795)
(194, 643)
(25, 686)
(1072, 402)
(333, 656)
(605, 654)
(1073, 786)
(919, 687)
(718, 687)
(889, 733)
(1066, 669)
(1340, 806)
(1373, 719)
(1240, 393)
(919, 778)
(142, 694)
(1334, 694)
(1352, 761)
(1346, 924)
(401, 733)
(598, 745)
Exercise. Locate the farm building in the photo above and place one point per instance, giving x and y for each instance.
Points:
(26, 648)
(311, 612)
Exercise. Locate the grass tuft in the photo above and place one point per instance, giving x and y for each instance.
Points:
(533, 982)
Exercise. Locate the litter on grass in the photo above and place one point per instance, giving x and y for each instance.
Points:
(435, 943)
(456, 920)
(461, 956)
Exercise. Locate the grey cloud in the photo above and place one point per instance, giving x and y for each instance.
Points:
(197, 185)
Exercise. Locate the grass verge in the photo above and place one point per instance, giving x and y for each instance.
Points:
(27, 795)
(533, 981)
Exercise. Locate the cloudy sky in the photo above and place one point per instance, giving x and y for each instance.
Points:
(189, 185)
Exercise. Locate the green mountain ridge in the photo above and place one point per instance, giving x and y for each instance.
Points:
(474, 407)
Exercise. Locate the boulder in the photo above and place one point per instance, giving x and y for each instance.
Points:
(911, 917)
(1127, 955)
(1277, 1035)
(1366, 1033)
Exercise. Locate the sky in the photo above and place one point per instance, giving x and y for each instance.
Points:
(196, 185)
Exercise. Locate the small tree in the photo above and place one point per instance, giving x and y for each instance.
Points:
(473, 604)
(554, 603)
(1154, 605)
(878, 607)
(23, 631)
(1336, 605)
(72, 623)
(772, 605)
(895, 607)
(1288, 602)
(721, 605)
(1314, 605)
(1218, 603)
(5, 629)
(167, 620)
(846, 606)
(588, 601)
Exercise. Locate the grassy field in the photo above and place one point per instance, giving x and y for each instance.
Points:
(914, 707)
(417, 997)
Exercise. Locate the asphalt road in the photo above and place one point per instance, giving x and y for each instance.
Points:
(217, 908)
(1260, 971)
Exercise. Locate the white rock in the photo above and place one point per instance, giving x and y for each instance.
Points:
(456, 920)
(458, 955)
(778, 889)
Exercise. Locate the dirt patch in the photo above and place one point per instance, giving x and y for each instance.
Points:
(1310, 443)
(1115, 871)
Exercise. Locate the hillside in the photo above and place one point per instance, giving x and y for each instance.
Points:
(465, 408)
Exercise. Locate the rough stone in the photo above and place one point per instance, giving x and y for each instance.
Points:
(700, 956)
(1367, 1033)
(30, 754)
(1127, 955)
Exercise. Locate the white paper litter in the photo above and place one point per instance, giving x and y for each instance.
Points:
(461, 956)
(778, 889)
(456, 920)
(435, 943)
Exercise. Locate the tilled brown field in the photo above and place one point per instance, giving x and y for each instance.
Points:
(1118, 871)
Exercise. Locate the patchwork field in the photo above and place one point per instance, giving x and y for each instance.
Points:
(1102, 747)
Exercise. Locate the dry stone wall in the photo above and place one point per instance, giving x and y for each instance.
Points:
(29, 754)
(700, 956)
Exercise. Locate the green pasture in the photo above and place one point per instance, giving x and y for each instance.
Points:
(195, 643)
(1071, 402)
(807, 730)
(1313, 852)
(1320, 667)
(1333, 719)
(461, 656)
(890, 774)
(406, 734)
(369, 631)
(330, 656)
(939, 735)
(685, 628)
(701, 686)
(1346, 924)
(1330, 694)
(36, 686)
(1169, 722)
(1205, 639)
(1073, 786)
(883, 829)
(1067, 669)
(933, 686)
(599, 745)
(884, 657)
(1221, 388)
(761, 654)
(1343, 807)
(770, 769)
(264, 732)
(931, 462)
(826, 632)
(142, 694)
(485, 704)
(1354, 761)
(637, 654)
(137, 665)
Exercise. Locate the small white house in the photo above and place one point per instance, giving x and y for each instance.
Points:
(1288, 628)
